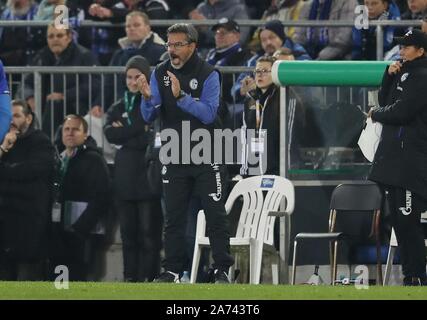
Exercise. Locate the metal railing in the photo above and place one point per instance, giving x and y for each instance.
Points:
(46, 76)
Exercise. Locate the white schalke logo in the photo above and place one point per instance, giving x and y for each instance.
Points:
(164, 170)
(404, 76)
(166, 81)
(193, 84)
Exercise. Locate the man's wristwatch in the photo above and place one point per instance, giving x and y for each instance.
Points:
(181, 95)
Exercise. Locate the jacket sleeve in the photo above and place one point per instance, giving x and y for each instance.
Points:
(39, 164)
(125, 134)
(385, 88)
(150, 108)
(405, 109)
(206, 108)
(5, 115)
(340, 40)
(98, 196)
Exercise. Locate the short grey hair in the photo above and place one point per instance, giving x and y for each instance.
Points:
(187, 29)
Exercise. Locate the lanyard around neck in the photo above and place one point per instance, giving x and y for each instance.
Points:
(129, 105)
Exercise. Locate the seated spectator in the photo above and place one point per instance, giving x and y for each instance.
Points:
(324, 43)
(62, 51)
(154, 9)
(416, 10)
(83, 195)
(394, 53)
(283, 10)
(18, 44)
(139, 40)
(104, 40)
(26, 176)
(365, 40)
(272, 37)
(217, 9)
(256, 8)
(227, 52)
(139, 210)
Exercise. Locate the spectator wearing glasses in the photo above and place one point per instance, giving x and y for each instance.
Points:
(62, 94)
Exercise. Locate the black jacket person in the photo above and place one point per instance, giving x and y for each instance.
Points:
(26, 172)
(400, 163)
(185, 90)
(83, 183)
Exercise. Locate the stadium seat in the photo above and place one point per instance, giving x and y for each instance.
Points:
(392, 250)
(262, 197)
(347, 200)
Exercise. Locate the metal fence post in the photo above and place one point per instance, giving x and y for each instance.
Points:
(38, 95)
(380, 42)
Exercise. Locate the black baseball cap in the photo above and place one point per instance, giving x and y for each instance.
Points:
(413, 37)
(227, 24)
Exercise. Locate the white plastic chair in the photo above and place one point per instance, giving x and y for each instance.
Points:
(262, 196)
(392, 250)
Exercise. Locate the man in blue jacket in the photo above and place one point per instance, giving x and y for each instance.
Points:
(185, 91)
(5, 113)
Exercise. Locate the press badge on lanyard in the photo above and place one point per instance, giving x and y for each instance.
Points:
(257, 143)
(157, 141)
(56, 212)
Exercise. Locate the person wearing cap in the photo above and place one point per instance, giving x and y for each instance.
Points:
(327, 43)
(139, 211)
(400, 160)
(217, 9)
(227, 51)
(272, 37)
(365, 40)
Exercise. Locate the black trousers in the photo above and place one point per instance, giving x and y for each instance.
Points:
(406, 208)
(180, 182)
(141, 233)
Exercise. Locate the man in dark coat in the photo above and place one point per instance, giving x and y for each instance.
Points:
(84, 189)
(400, 163)
(26, 171)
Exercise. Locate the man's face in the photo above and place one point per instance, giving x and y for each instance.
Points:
(376, 7)
(225, 38)
(263, 77)
(409, 53)
(136, 28)
(179, 49)
(131, 76)
(270, 41)
(417, 6)
(73, 134)
(58, 40)
(20, 121)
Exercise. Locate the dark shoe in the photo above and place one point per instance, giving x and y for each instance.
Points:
(414, 281)
(168, 277)
(221, 277)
